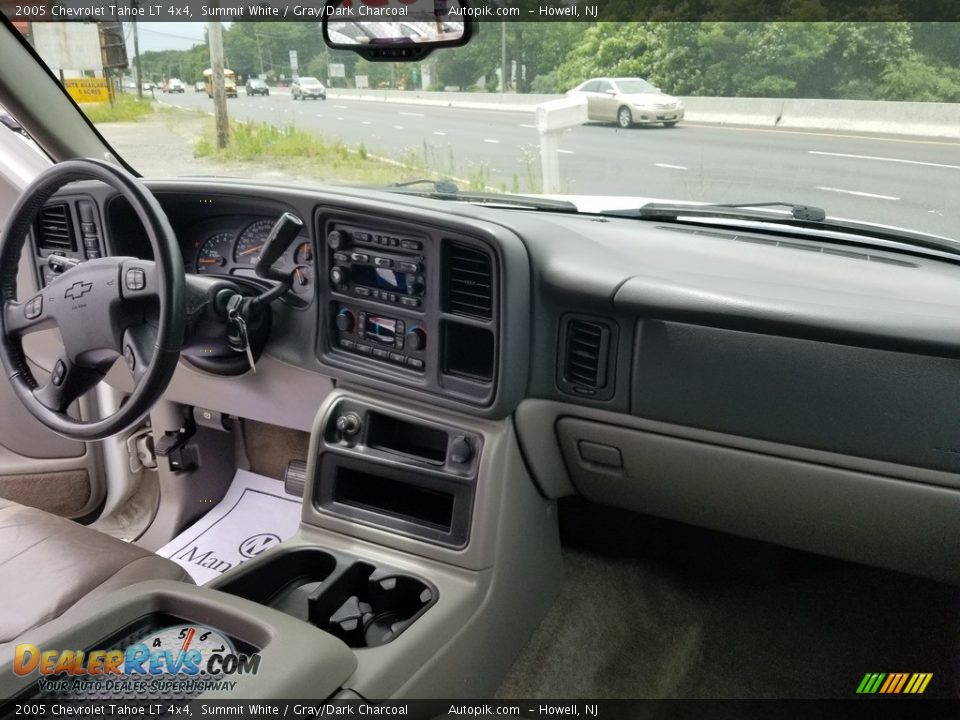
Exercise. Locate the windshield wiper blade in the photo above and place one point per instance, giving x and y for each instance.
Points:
(446, 187)
(799, 212)
(441, 191)
(797, 218)
(671, 211)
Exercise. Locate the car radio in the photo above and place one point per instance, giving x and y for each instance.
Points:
(390, 339)
(377, 266)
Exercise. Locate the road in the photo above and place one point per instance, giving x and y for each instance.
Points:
(911, 182)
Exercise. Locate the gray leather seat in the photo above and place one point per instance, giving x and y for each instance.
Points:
(49, 564)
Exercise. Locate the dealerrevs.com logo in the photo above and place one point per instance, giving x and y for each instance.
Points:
(179, 658)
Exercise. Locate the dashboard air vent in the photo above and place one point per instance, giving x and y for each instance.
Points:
(55, 228)
(586, 353)
(468, 281)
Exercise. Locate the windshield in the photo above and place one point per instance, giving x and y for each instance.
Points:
(858, 118)
(635, 87)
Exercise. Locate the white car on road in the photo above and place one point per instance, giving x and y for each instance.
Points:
(629, 101)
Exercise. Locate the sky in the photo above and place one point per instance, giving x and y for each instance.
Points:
(168, 35)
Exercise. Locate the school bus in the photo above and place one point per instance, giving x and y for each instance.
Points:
(229, 82)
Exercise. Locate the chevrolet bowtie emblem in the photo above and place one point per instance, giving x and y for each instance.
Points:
(78, 290)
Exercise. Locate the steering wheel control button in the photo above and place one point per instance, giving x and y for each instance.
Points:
(130, 358)
(33, 308)
(59, 371)
(135, 279)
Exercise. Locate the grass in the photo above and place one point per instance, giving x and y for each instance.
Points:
(301, 153)
(125, 108)
(310, 155)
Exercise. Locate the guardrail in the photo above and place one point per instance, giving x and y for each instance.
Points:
(872, 116)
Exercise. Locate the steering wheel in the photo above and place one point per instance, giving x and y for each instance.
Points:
(100, 307)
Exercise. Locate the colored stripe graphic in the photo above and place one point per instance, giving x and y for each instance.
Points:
(894, 683)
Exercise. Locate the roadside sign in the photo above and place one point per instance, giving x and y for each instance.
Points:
(362, 82)
(87, 90)
(337, 70)
(294, 66)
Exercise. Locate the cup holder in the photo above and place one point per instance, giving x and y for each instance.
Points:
(366, 608)
(361, 604)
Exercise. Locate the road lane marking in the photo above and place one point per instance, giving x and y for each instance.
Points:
(438, 132)
(527, 126)
(565, 152)
(858, 193)
(339, 118)
(668, 166)
(340, 107)
(412, 114)
(319, 114)
(491, 141)
(883, 159)
(784, 131)
(364, 122)
(398, 127)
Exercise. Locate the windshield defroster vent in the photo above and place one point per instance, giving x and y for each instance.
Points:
(586, 354)
(793, 245)
(467, 281)
(55, 228)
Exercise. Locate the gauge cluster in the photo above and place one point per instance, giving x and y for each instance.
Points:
(218, 249)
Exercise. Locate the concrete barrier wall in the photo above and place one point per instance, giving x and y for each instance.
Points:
(898, 118)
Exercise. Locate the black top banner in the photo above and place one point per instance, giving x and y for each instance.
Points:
(483, 10)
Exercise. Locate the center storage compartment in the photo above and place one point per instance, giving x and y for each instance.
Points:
(421, 503)
(414, 440)
(363, 605)
(392, 497)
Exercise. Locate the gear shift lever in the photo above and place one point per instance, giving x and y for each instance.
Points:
(283, 232)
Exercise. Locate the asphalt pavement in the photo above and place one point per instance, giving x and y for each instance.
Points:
(911, 182)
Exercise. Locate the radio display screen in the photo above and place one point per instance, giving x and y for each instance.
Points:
(382, 330)
(380, 278)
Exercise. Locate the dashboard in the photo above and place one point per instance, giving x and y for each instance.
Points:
(794, 389)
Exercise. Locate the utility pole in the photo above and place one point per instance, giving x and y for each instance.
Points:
(136, 58)
(503, 56)
(215, 40)
(259, 51)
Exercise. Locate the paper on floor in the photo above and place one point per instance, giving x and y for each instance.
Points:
(255, 515)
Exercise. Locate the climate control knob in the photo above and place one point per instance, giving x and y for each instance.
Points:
(346, 320)
(415, 339)
(338, 275)
(337, 239)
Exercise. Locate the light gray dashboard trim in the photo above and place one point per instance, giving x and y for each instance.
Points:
(839, 513)
(536, 420)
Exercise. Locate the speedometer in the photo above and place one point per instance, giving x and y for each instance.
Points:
(213, 255)
(250, 243)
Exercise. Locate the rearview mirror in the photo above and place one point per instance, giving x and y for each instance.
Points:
(395, 30)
